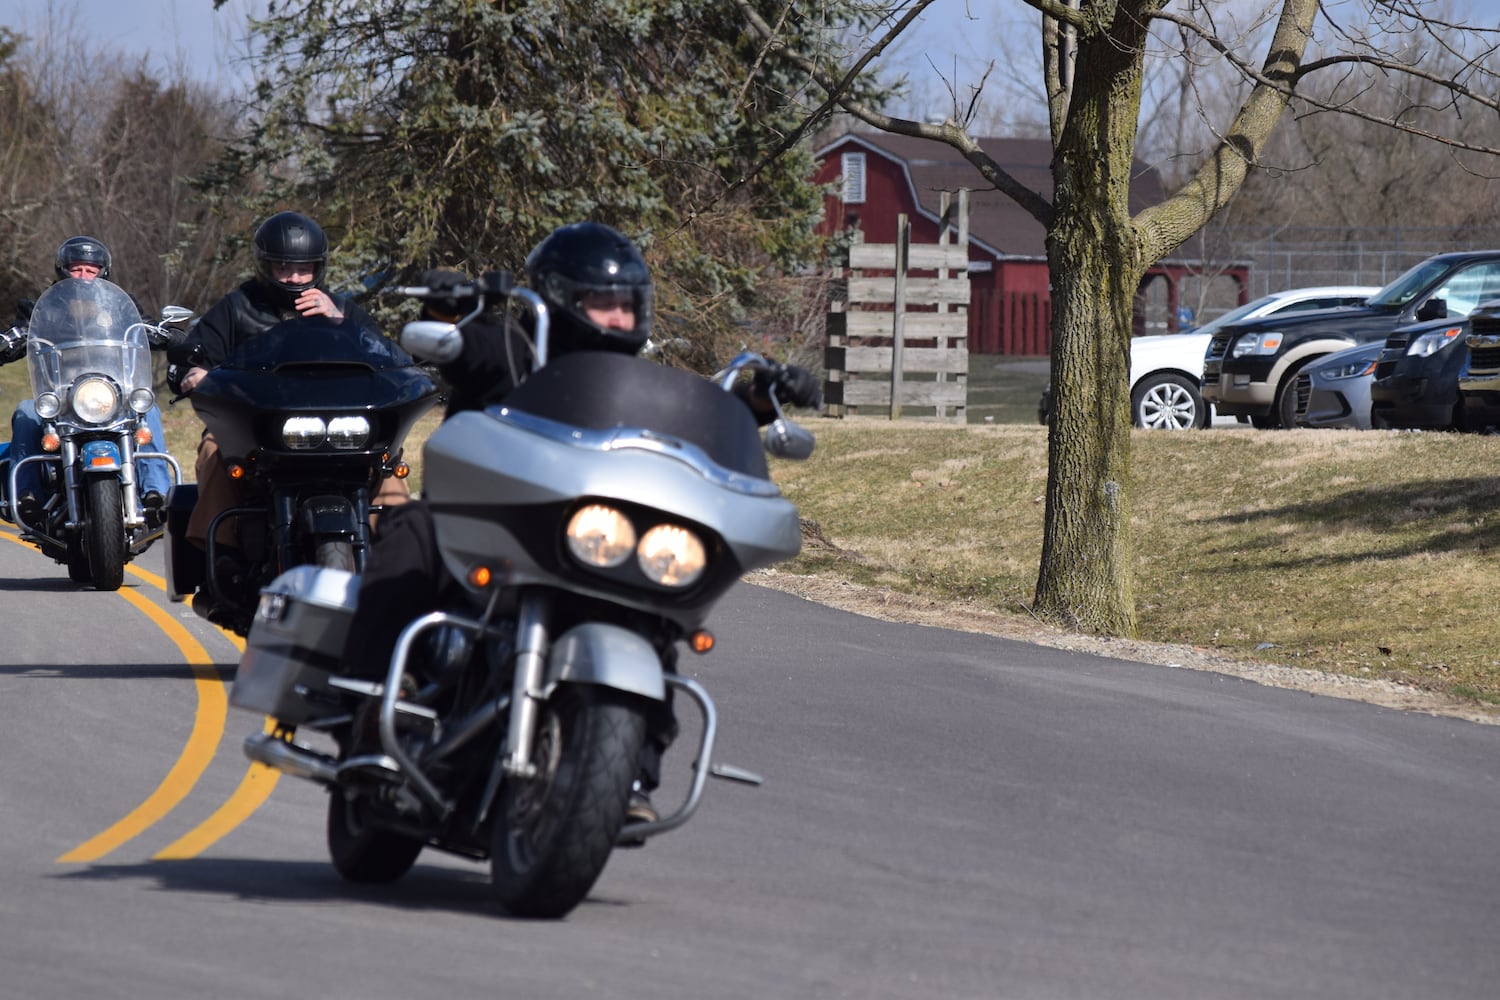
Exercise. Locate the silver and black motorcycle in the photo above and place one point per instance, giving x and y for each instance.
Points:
(89, 355)
(594, 520)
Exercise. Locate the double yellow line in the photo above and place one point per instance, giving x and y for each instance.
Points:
(208, 729)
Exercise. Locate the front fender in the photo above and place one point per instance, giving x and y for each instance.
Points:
(1307, 350)
(597, 653)
(100, 456)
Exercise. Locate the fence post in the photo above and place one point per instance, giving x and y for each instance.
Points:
(898, 319)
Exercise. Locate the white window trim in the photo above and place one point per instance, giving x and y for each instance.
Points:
(852, 168)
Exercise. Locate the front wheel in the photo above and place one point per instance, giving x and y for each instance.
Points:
(1167, 402)
(104, 532)
(553, 832)
(362, 852)
(335, 555)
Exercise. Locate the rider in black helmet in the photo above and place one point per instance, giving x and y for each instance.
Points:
(291, 260)
(289, 238)
(81, 253)
(598, 292)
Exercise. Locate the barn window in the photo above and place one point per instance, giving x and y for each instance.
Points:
(854, 178)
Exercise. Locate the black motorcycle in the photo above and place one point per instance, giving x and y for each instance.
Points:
(309, 417)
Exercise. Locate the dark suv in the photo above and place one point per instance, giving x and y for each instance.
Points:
(1479, 385)
(1251, 368)
(1416, 377)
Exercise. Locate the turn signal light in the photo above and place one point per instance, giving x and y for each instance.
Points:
(50, 441)
(236, 470)
(143, 435)
(402, 470)
(701, 641)
(480, 576)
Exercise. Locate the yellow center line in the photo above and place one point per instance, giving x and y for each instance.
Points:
(208, 728)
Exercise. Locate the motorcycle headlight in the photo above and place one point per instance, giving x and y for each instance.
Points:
(142, 400)
(1257, 343)
(95, 400)
(671, 555)
(1431, 343)
(600, 536)
(48, 405)
(348, 433)
(303, 432)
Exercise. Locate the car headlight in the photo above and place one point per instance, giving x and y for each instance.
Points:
(348, 433)
(1351, 370)
(95, 400)
(671, 555)
(600, 536)
(303, 433)
(1431, 343)
(1257, 343)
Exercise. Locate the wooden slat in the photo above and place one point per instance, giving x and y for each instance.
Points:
(919, 326)
(922, 291)
(915, 359)
(876, 393)
(924, 257)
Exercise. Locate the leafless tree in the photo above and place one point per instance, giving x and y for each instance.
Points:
(1094, 56)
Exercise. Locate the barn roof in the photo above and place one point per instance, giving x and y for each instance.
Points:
(996, 222)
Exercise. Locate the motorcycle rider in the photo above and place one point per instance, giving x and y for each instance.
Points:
(291, 257)
(599, 292)
(85, 258)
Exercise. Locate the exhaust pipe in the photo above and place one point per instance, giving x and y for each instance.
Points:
(289, 758)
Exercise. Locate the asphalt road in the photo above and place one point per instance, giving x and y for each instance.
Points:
(944, 816)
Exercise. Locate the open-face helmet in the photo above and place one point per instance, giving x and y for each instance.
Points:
(588, 261)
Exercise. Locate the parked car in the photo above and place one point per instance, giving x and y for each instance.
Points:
(1416, 377)
(1335, 391)
(1166, 370)
(1251, 367)
(1479, 386)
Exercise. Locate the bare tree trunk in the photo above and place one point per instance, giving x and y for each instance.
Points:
(1096, 263)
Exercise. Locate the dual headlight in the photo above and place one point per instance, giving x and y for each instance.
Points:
(668, 554)
(343, 433)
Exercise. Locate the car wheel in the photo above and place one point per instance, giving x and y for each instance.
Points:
(1285, 411)
(1164, 401)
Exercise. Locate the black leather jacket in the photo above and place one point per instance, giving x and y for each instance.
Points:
(246, 312)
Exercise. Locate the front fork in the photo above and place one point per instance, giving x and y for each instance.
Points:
(526, 690)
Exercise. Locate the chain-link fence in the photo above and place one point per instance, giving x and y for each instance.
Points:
(1300, 257)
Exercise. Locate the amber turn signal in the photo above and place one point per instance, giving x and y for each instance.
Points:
(701, 641)
(480, 576)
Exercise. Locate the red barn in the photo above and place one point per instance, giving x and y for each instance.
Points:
(878, 176)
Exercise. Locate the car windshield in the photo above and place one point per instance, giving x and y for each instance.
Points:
(1410, 285)
(1237, 312)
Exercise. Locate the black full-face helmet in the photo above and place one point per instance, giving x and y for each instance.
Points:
(585, 260)
(289, 238)
(82, 250)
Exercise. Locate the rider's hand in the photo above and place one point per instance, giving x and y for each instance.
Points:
(316, 302)
(799, 387)
(12, 344)
(192, 378)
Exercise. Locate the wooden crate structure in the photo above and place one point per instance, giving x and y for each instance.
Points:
(898, 339)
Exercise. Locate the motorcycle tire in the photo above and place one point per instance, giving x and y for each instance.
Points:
(104, 532)
(553, 833)
(362, 852)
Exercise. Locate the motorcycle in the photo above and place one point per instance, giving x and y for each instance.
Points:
(309, 417)
(595, 519)
(89, 355)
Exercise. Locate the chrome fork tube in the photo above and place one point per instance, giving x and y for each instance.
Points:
(526, 689)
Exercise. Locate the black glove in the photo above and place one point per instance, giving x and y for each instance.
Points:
(798, 386)
(12, 345)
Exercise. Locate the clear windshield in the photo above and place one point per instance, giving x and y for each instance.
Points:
(1410, 285)
(1234, 314)
(81, 327)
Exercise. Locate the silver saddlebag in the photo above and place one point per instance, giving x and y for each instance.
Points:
(295, 643)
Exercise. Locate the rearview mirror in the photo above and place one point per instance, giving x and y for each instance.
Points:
(785, 439)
